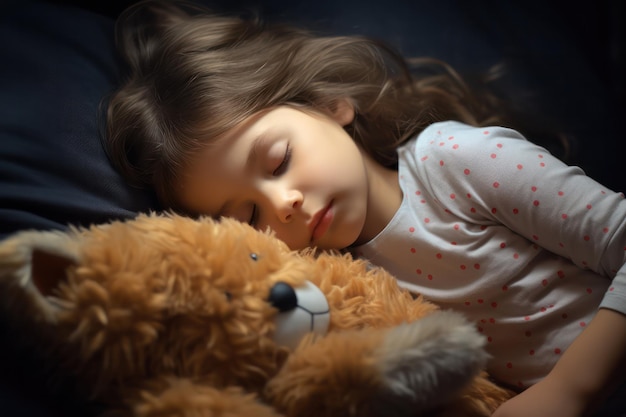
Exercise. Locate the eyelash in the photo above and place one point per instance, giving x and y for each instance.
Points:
(284, 163)
(280, 169)
(253, 216)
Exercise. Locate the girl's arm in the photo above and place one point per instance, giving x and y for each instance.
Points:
(584, 376)
(521, 186)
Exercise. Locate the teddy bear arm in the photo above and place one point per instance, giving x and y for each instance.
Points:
(405, 370)
(333, 375)
(183, 397)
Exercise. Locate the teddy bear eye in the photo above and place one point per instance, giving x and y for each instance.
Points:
(254, 256)
(228, 295)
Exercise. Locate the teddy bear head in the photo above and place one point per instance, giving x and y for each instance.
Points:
(158, 295)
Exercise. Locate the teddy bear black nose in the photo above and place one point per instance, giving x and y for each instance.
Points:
(283, 297)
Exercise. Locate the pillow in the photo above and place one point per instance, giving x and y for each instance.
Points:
(58, 63)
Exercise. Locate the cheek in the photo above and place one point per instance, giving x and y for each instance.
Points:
(291, 238)
(345, 168)
(206, 195)
(330, 166)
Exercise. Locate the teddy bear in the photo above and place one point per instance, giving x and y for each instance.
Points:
(165, 315)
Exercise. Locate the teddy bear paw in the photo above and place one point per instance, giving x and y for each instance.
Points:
(426, 363)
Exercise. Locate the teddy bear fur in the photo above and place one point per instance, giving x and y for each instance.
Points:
(165, 315)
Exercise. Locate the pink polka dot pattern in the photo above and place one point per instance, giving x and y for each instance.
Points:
(477, 235)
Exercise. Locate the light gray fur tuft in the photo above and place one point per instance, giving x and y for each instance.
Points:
(427, 362)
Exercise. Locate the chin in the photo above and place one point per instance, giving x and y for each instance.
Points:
(341, 241)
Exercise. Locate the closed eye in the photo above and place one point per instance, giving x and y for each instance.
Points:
(284, 164)
(279, 170)
(254, 216)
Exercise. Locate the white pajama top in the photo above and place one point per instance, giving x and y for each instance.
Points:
(495, 227)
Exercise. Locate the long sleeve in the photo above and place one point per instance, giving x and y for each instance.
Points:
(495, 227)
(496, 175)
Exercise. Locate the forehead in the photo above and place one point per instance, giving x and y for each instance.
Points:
(217, 173)
(212, 177)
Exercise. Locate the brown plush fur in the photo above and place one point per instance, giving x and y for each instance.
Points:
(168, 316)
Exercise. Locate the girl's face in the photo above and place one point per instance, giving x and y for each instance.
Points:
(298, 173)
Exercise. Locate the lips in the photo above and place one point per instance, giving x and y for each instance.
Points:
(321, 222)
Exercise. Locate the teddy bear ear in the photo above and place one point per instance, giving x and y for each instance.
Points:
(35, 263)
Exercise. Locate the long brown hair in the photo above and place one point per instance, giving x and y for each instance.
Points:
(194, 75)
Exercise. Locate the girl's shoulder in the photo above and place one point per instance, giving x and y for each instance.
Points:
(459, 140)
(453, 130)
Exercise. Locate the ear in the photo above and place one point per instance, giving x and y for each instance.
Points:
(343, 112)
(36, 263)
(48, 270)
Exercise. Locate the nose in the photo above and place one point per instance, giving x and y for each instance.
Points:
(286, 202)
(283, 297)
